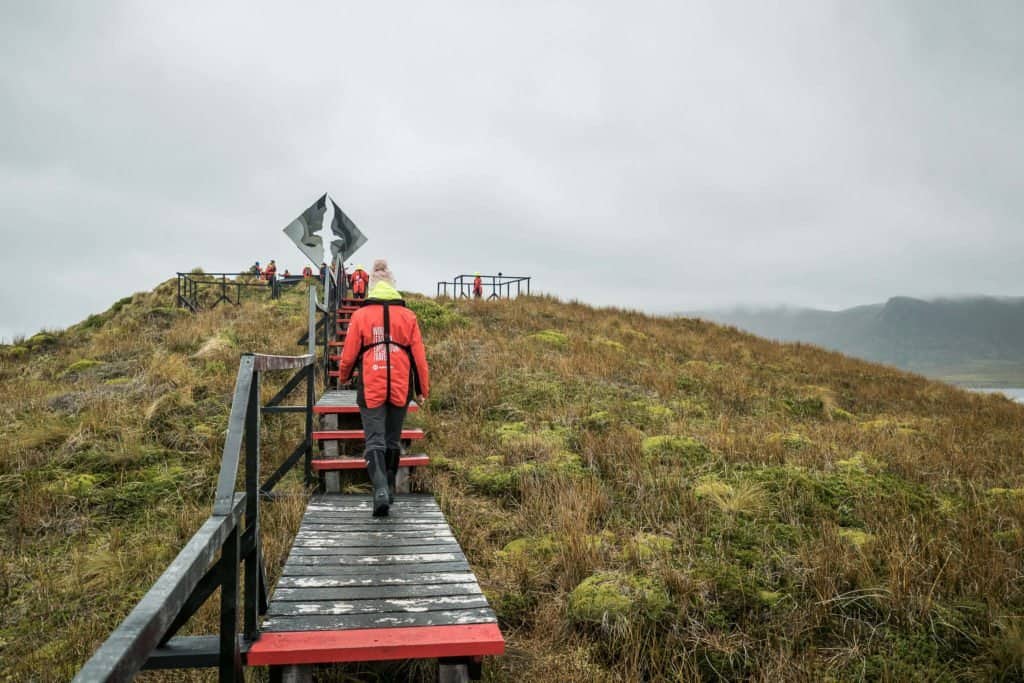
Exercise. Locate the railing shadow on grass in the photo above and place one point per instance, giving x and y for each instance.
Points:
(229, 538)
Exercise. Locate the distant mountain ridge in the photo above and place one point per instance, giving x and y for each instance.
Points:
(974, 340)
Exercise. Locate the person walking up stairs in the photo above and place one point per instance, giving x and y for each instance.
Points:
(384, 338)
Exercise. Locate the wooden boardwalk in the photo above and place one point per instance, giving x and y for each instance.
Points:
(360, 588)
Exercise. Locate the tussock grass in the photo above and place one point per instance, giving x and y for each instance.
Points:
(720, 506)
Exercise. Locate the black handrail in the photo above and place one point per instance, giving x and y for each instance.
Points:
(191, 578)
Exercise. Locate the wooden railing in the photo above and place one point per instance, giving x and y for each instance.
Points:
(147, 639)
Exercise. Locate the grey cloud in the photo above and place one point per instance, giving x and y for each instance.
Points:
(668, 156)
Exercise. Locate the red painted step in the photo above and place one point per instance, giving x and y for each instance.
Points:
(376, 644)
(346, 434)
(331, 464)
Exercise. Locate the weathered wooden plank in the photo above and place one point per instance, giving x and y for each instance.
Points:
(359, 435)
(379, 523)
(366, 510)
(373, 526)
(416, 590)
(349, 500)
(367, 520)
(379, 620)
(353, 498)
(356, 541)
(450, 548)
(397, 507)
(376, 559)
(384, 579)
(434, 603)
(406, 572)
(343, 516)
(317, 534)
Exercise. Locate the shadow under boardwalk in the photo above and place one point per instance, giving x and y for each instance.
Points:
(360, 588)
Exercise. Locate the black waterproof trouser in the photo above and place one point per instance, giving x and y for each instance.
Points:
(383, 427)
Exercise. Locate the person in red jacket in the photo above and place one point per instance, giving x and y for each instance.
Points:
(307, 273)
(478, 286)
(359, 282)
(271, 271)
(390, 375)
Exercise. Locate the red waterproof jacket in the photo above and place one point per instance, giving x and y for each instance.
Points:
(478, 286)
(391, 373)
(358, 280)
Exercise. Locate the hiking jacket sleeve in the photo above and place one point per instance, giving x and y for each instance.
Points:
(419, 355)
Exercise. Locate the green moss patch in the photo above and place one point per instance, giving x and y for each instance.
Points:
(551, 338)
(671, 448)
(858, 538)
(42, 340)
(793, 441)
(645, 547)
(529, 548)
(79, 367)
(611, 596)
(609, 344)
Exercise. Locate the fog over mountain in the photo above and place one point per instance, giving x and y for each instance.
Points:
(969, 340)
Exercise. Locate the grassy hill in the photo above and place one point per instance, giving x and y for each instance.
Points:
(641, 497)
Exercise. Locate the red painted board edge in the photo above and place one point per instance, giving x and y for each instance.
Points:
(332, 434)
(376, 644)
(359, 463)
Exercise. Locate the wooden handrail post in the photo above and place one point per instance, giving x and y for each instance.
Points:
(254, 558)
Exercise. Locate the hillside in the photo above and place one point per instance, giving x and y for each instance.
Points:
(969, 341)
(641, 497)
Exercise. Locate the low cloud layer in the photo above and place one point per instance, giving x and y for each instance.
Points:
(667, 156)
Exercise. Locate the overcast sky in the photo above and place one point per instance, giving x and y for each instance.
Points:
(668, 156)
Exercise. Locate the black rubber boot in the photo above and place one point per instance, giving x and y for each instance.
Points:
(393, 455)
(376, 467)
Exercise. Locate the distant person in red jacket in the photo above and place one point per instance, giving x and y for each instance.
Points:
(359, 282)
(307, 272)
(270, 271)
(390, 375)
(478, 286)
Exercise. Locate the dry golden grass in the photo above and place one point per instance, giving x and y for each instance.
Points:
(807, 515)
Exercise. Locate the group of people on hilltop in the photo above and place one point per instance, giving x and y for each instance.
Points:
(269, 273)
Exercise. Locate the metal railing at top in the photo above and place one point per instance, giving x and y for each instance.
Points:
(212, 557)
(208, 290)
(493, 287)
